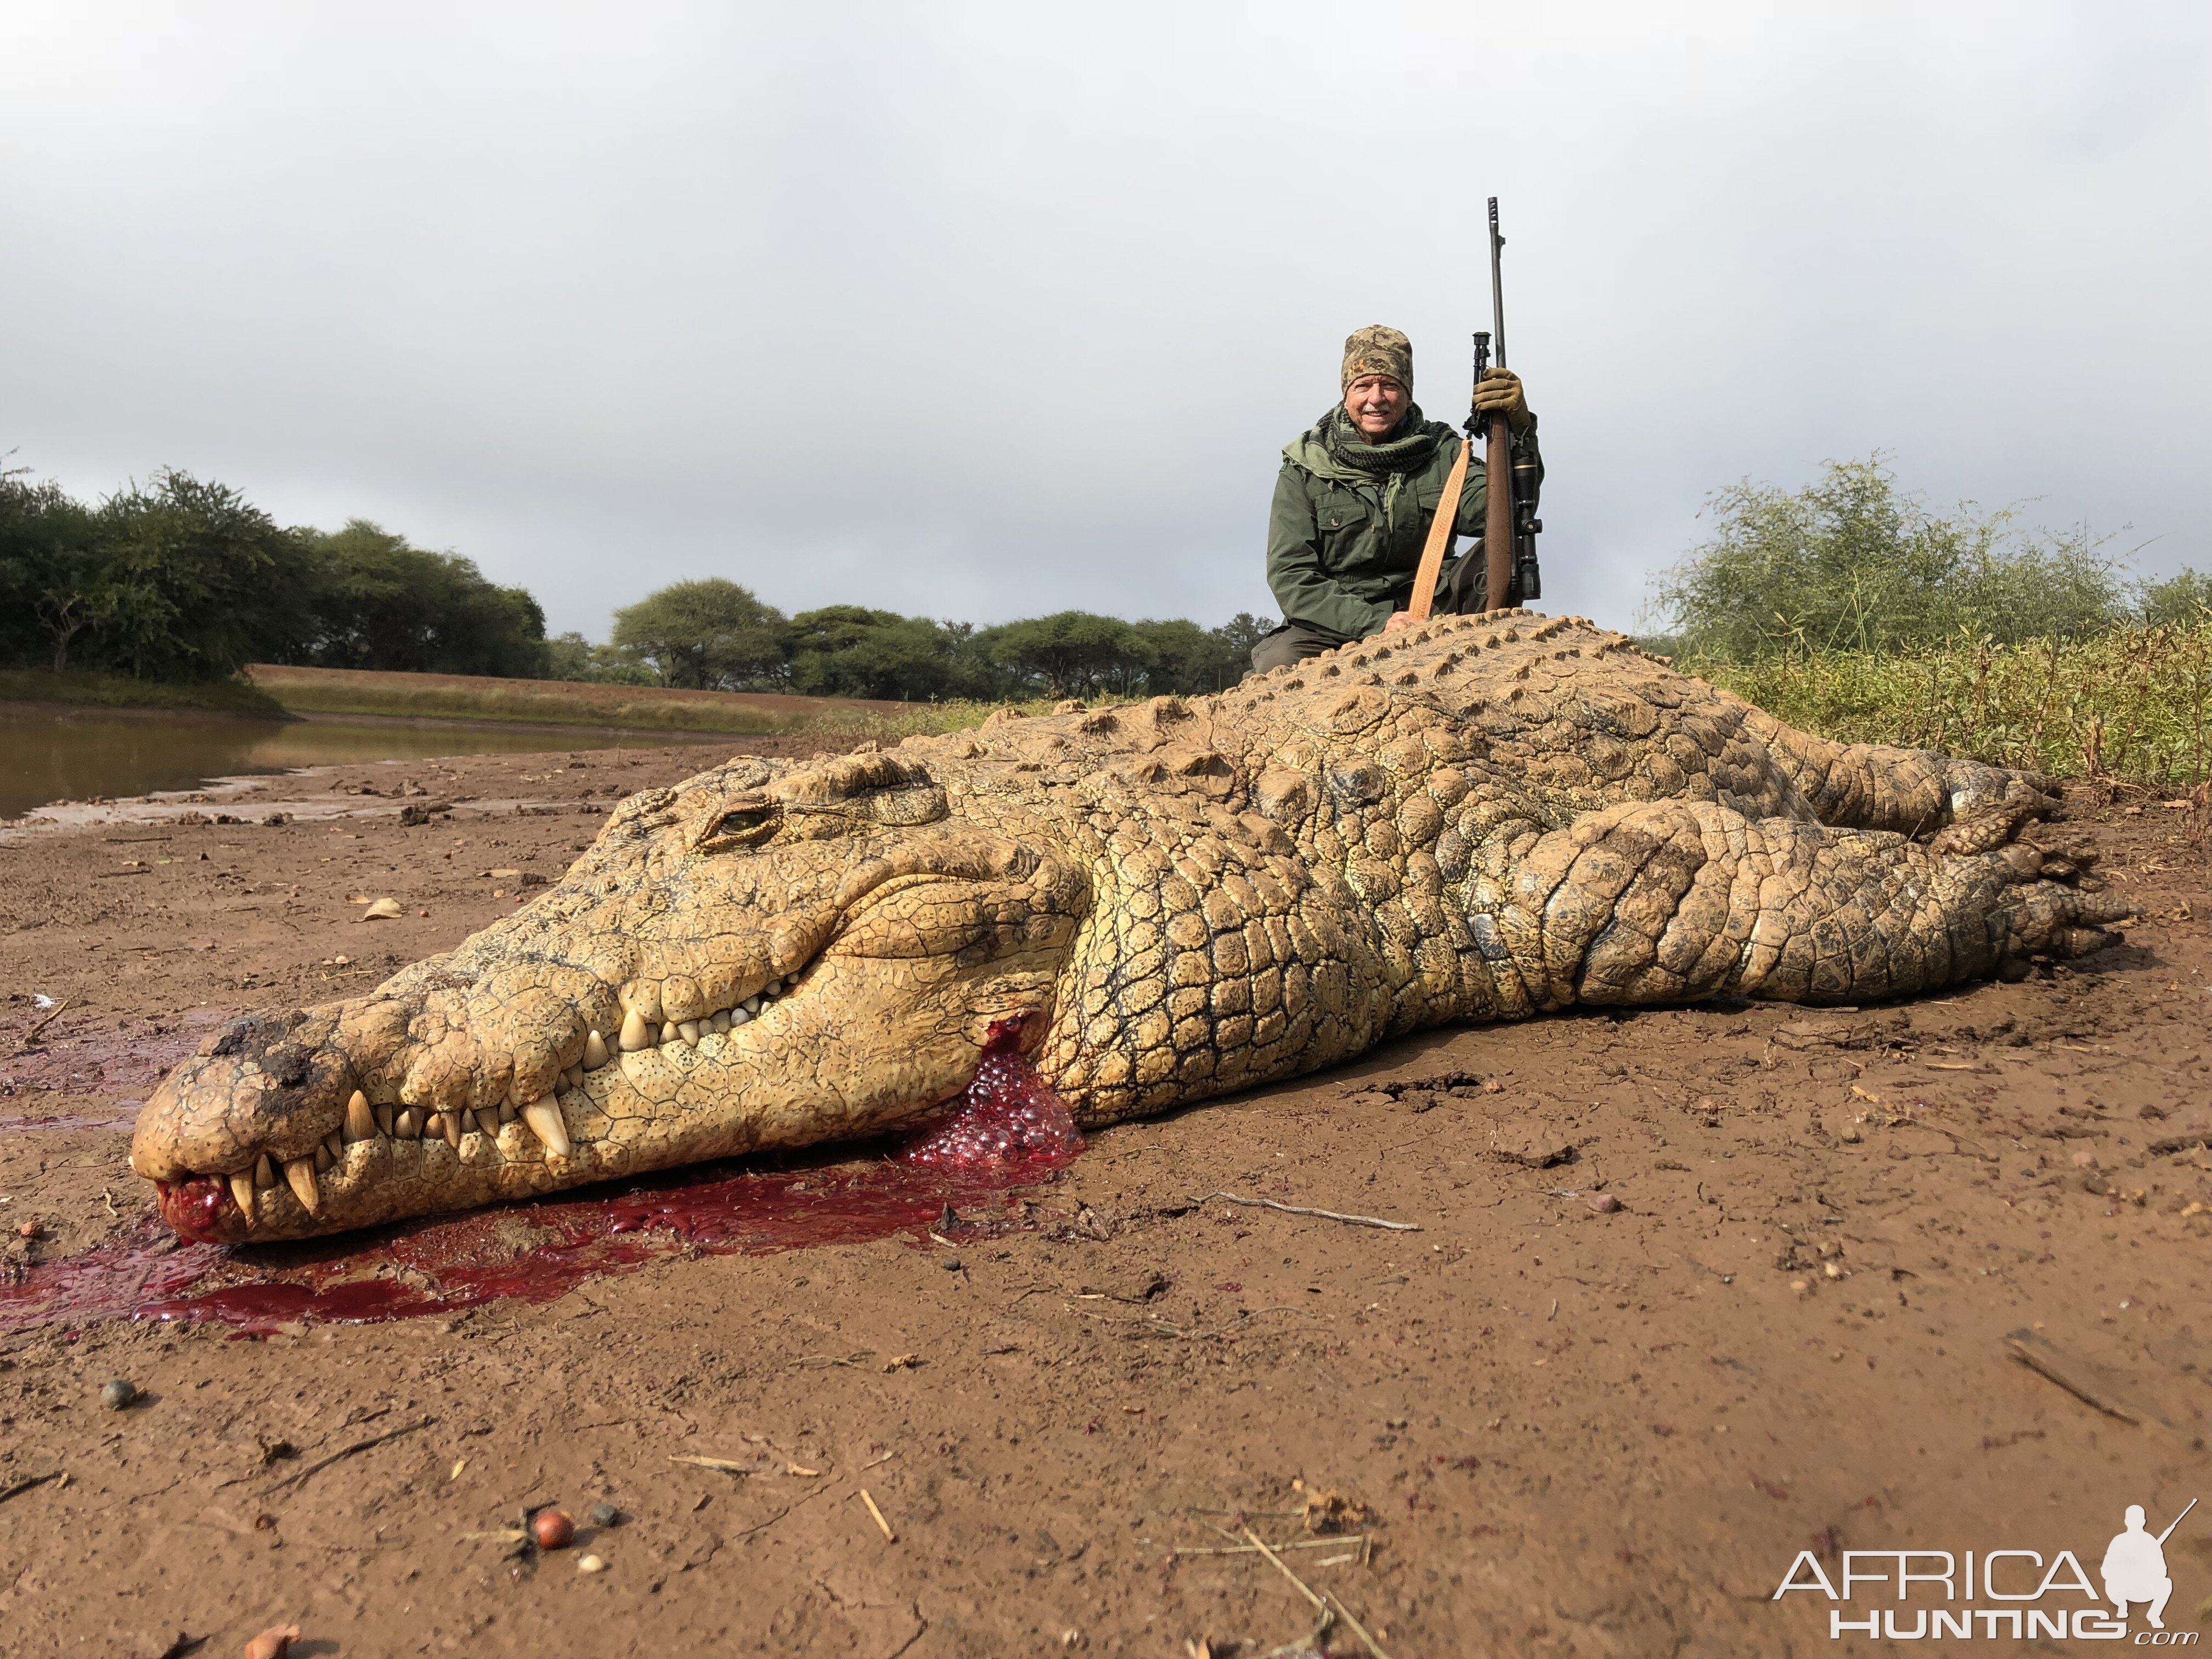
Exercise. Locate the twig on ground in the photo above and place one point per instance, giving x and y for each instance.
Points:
(725, 1465)
(890, 1537)
(357, 1446)
(1300, 1209)
(1358, 1629)
(22, 1486)
(1253, 1539)
(32, 1036)
(2081, 1379)
(1330, 1542)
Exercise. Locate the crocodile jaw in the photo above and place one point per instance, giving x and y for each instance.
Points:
(798, 1073)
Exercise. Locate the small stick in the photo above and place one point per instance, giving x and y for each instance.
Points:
(1295, 1544)
(1253, 1539)
(727, 1465)
(890, 1537)
(358, 1446)
(1358, 1629)
(2025, 1349)
(22, 1486)
(32, 1036)
(1325, 1215)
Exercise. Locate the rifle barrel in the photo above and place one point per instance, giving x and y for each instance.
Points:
(1496, 284)
(2177, 1520)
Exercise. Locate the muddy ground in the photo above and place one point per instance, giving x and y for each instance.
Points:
(1693, 1291)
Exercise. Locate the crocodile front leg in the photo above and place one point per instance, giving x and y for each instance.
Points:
(1671, 901)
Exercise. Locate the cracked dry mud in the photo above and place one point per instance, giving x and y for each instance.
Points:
(1584, 1431)
(1478, 818)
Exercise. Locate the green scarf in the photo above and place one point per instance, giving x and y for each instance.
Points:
(1407, 452)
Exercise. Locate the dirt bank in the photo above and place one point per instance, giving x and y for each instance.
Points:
(1693, 1291)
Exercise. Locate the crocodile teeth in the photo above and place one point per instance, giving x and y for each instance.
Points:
(721, 1023)
(241, 1192)
(325, 1160)
(689, 1030)
(386, 1119)
(750, 1007)
(360, 1121)
(635, 1034)
(544, 1119)
(448, 1124)
(488, 1121)
(264, 1172)
(595, 1052)
(409, 1125)
(334, 1144)
(740, 1017)
(299, 1176)
(509, 1111)
(668, 1033)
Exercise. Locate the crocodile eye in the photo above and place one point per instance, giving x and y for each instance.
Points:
(741, 826)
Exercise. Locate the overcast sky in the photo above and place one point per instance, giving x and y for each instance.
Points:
(983, 311)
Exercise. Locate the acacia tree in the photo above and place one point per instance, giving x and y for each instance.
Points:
(706, 636)
(1068, 654)
(380, 602)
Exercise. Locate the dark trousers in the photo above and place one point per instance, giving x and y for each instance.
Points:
(1463, 591)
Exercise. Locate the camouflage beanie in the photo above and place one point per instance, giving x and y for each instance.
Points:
(1379, 350)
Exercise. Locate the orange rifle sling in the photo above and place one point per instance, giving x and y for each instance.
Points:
(1440, 537)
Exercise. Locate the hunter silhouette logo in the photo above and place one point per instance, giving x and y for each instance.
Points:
(2030, 1595)
(2135, 1566)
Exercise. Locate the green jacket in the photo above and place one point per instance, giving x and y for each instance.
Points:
(1343, 545)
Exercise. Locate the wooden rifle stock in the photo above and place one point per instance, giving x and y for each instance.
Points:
(1498, 516)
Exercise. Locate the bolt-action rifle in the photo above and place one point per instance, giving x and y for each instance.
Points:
(1509, 523)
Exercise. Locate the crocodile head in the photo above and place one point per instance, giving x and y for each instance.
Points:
(768, 955)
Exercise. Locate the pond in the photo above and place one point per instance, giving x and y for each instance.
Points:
(50, 753)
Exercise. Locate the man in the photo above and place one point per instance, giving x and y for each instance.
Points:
(1354, 501)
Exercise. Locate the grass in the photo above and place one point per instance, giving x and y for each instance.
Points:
(113, 691)
(560, 702)
(2129, 704)
(277, 691)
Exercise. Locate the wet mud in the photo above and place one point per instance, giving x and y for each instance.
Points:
(1691, 1291)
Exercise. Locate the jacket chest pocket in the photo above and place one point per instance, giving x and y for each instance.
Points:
(1338, 512)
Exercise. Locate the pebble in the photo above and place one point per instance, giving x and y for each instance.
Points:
(1605, 1204)
(951, 1264)
(605, 1514)
(119, 1394)
(553, 1530)
(591, 1564)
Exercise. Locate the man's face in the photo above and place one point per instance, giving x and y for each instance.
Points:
(1376, 403)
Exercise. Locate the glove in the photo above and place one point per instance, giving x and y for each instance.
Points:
(1499, 393)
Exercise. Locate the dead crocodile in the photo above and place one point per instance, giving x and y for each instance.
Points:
(1480, 818)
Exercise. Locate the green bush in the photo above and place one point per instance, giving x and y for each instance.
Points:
(1851, 562)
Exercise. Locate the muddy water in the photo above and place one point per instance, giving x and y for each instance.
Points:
(49, 753)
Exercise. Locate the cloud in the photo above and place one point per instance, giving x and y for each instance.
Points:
(982, 311)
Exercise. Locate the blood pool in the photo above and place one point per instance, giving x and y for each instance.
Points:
(1007, 1130)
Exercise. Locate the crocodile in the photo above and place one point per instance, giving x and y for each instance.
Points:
(1477, 818)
